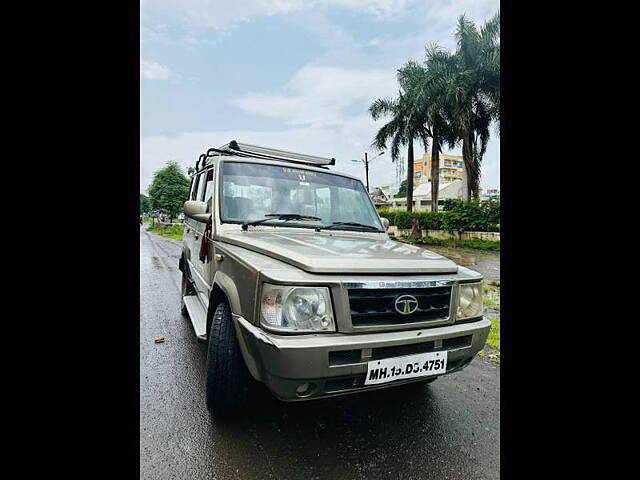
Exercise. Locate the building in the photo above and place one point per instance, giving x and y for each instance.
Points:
(379, 197)
(422, 195)
(451, 168)
(490, 194)
(388, 191)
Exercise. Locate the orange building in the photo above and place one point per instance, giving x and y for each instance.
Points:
(451, 168)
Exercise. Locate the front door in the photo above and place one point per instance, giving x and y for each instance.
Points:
(201, 272)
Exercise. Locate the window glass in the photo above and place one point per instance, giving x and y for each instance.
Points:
(208, 191)
(194, 187)
(251, 191)
(201, 185)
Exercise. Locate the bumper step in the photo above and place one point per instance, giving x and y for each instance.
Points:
(198, 316)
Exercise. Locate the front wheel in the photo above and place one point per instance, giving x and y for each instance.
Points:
(227, 376)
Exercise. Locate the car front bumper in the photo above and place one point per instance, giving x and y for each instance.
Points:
(336, 364)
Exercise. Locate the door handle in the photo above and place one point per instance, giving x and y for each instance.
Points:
(195, 235)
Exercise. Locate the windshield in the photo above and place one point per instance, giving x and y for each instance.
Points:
(252, 191)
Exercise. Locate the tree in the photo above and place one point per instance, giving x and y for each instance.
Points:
(402, 192)
(452, 98)
(422, 84)
(169, 189)
(145, 204)
(473, 92)
(405, 126)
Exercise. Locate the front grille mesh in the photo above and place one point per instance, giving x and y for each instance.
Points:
(376, 307)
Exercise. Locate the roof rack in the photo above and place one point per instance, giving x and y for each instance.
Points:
(202, 158)
(244, 149)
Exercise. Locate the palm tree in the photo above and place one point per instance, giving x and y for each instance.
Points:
(404, 127)
(429, 96)
(474, 92)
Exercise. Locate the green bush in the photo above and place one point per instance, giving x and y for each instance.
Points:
(449, 203)
(459, 216)
(403, 220)
(472, 216)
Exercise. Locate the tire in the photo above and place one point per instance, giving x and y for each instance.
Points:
(227, 376)
(187, 289)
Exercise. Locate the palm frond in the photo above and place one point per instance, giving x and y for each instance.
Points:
(382, 107)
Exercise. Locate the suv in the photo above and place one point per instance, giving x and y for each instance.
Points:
(289, 276)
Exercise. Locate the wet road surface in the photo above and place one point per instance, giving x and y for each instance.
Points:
(447, 430)
(485, 262)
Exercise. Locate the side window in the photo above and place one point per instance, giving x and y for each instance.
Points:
(190, 189)
(208, 190)
(194, 187)
(201, 184)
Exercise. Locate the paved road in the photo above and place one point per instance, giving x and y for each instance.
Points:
(487, 263)
(448, 430)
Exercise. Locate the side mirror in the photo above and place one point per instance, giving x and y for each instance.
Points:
(385, 223)
(196, 210)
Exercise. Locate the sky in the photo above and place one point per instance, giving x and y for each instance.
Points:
(295, 75)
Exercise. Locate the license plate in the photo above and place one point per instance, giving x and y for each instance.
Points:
(397, 368)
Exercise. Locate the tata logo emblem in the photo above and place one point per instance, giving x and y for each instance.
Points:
(406, 304)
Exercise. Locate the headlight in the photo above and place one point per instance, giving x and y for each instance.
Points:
(296, 309)
(470, 301)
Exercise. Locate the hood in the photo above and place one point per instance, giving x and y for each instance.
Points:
(323, 252)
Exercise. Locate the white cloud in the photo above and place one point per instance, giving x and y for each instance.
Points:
(318, 95)
(159, 34)
(223, 14)
(315, 103)
(323, 105)
(154, 71)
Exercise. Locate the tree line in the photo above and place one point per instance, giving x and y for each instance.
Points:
(446, 100)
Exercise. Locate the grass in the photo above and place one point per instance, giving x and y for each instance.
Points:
(474, 243)
(493, 340)
(491, 297)
(174, 231)
(491, 300)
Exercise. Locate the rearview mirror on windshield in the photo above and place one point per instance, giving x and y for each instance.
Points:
(196, 210)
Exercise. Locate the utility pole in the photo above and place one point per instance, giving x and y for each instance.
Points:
(366, 166)
(366, 169)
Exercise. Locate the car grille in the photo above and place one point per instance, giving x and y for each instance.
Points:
(376, 307)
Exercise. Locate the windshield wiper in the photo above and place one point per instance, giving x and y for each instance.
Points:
(279, 216)
(348, 224)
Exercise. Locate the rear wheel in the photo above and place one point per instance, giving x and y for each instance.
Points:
(227, 376)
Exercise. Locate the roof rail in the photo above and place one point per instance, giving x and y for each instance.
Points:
(244, 149)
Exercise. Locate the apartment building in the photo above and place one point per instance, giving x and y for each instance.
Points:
(451, 168)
